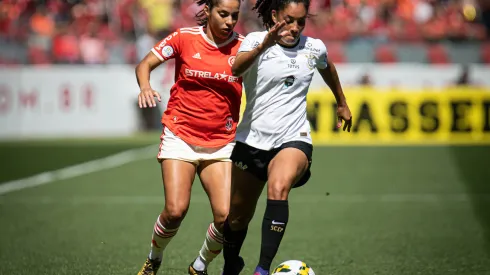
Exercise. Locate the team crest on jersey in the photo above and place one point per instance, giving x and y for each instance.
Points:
(231, 60)
(289, 81)
(229, 123)
(311, 61)
(167, 51)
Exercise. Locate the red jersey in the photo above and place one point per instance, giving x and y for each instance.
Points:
(204, 103)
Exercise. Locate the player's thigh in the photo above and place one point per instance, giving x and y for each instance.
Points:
(173, 147)
(215, 177)
(178, 161)
(248, 178)
(178, 177)
(284, 170)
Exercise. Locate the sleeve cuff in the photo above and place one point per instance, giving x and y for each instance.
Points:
(155, 52)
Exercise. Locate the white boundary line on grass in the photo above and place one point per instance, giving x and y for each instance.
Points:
(81, 169)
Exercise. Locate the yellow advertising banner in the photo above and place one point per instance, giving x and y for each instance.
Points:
(403, 117)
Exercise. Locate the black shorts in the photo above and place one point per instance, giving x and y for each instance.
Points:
(257, 161)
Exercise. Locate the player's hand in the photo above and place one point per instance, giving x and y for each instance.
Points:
(275, 34)
(343, 113)
(146, 98)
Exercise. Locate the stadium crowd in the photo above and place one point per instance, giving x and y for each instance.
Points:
(122, 31)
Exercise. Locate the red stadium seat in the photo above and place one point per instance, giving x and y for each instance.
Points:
(336, 52)
(38, 56)
(385, 54)
(437, 54)
(485, 53)
(411, 32)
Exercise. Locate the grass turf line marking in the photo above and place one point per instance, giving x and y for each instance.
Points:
(73, 171)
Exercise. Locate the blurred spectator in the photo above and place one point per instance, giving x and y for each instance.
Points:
(42, 27)
(159, 15)
(120, 31)
(422, 11)
(92, 48)
(65, 46)
(144, 43)
(485, 10)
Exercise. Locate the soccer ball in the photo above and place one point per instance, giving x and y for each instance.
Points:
(293, 267)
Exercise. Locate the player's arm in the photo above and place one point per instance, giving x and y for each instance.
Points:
(164, 50)
(246, 58)
(143, 70)
(331, 78)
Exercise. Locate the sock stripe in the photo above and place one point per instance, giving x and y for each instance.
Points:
(163, 227)
(213, 233)
(165, 235)
(216, 238)
(163, 232)
(215, 251)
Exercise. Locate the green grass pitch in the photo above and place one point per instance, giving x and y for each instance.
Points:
(390, 210)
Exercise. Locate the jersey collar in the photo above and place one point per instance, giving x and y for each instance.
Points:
(203, 34)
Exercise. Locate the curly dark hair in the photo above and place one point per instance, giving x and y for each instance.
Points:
(264, 9)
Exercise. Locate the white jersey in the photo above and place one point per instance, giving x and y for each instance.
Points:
(276, 86)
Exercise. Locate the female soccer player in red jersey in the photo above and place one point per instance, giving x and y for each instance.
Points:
(199, 124)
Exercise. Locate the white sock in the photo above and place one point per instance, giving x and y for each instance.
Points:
(213, 244)
(160, 239)
(200, 264)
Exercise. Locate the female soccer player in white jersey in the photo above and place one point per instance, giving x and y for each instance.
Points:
(199, 124)
(273, 142)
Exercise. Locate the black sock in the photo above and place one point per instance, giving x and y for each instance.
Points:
(232, 244)
(273, 226)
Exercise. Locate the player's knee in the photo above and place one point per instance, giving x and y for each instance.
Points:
(239, 223)
(278, 188)
(175, 212)
(219, 220)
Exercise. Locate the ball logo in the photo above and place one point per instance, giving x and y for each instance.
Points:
(231, 60)
(167, 51)
(293, 267)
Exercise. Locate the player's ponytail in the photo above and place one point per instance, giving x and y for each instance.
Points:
(201, 18)
(264, 9)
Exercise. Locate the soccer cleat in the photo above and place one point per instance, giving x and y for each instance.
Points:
(192, 271)
(260, 271)
(150, 267)
(235, 269)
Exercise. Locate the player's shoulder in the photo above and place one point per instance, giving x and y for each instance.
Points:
(238, 36)
(257, 35)
(181, 34)
(314, 42)
(190, 32)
